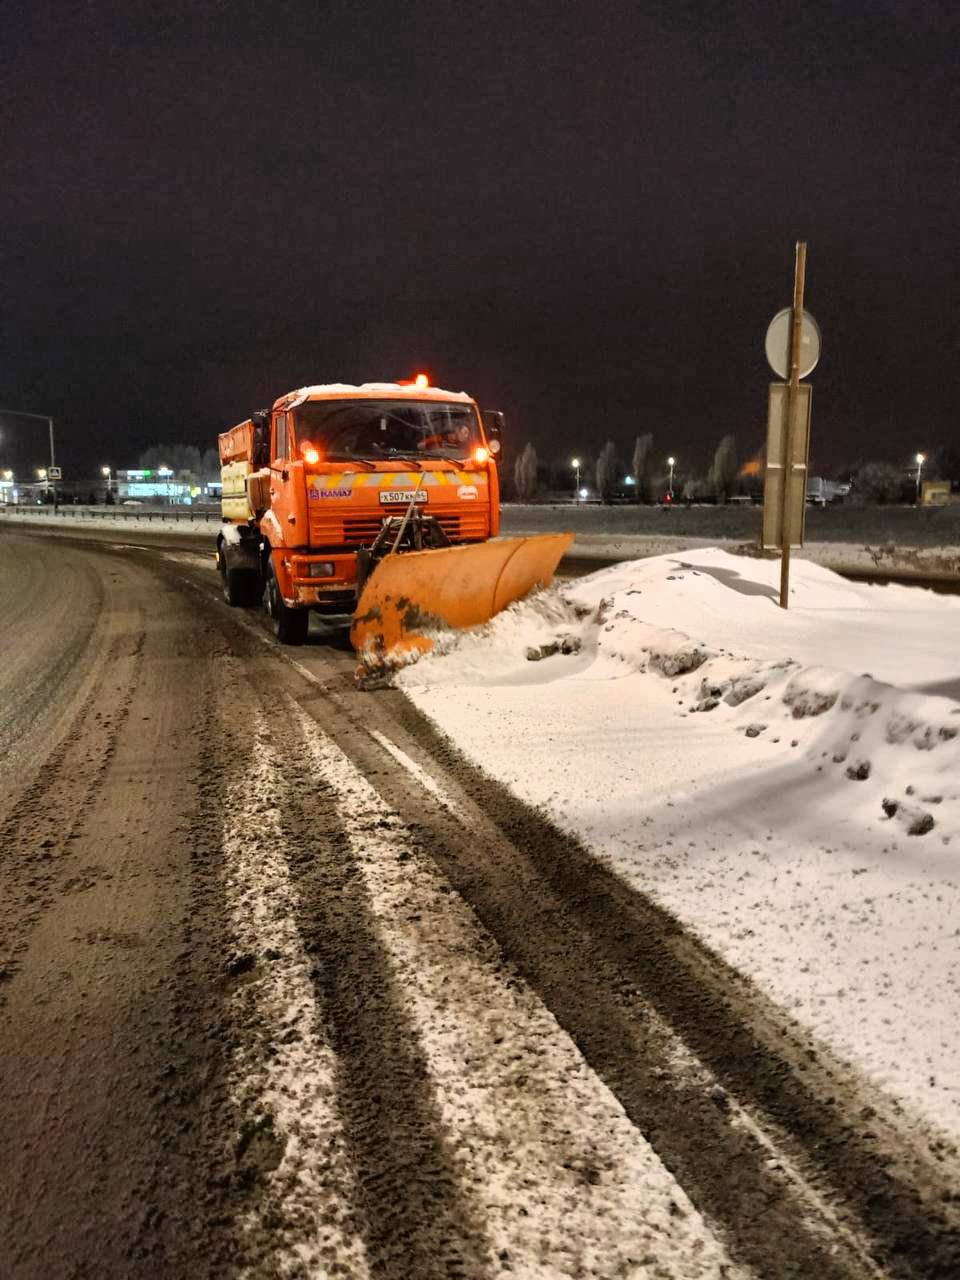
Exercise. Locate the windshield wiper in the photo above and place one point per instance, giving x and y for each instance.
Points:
(347, 457)
(397, 455)
(440, 455)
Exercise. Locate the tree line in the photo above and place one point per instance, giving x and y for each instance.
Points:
(646, 476)
(184, 460)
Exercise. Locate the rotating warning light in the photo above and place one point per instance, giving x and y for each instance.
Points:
(421, 381)
(310, 453)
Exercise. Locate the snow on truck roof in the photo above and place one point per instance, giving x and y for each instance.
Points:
(337, 390)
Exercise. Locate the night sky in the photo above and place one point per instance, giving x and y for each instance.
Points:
(583, 214)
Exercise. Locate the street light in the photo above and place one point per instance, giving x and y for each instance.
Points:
(40, 417)
(920, 460)
(575, 463)
(671, 463)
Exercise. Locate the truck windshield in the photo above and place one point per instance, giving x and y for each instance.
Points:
(373, 429)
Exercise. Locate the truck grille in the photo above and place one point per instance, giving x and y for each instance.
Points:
(360, 531)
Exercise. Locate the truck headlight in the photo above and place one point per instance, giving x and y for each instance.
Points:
(320, 569)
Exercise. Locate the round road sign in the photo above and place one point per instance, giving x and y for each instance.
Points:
(777, 343)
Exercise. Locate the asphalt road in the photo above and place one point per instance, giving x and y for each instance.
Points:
(287, 988)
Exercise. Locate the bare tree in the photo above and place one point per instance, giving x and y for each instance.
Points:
(639, 465)
(178, 458)
(723, 469)
(882, 483)
(525, 473)
(209, 466)
(606, 471)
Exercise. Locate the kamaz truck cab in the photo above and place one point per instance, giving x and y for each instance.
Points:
(316, 489)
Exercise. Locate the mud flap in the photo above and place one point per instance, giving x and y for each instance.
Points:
(412, 595)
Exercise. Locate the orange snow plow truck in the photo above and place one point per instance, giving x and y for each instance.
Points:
(380, 501)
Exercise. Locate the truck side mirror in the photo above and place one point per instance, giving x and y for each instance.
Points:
(493, 427)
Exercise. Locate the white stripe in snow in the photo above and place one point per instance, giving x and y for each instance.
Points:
(565, 1183)
(284, 1072)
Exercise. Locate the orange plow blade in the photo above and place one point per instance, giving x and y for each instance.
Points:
(414, 594)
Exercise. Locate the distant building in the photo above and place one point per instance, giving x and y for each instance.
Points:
(937, 493)
(181, 488)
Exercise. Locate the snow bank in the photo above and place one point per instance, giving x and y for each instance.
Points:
(875, 731)
(786, 782)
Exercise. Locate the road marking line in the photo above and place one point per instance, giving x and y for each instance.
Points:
(284, 1076)
(567, 1185)
(420, 774)
(307, 675)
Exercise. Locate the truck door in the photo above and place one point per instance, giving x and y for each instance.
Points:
(287, 492)
(279, 476)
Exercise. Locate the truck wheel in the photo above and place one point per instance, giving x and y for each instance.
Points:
(241, 587)
(289, 625)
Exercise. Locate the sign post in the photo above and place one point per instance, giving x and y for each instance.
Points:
(793, 349)
(785, 487)
(793, 393)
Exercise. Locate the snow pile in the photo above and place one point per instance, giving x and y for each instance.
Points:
(906, 745)
(786, 782)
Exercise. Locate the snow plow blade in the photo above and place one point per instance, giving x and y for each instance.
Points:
(414, 594)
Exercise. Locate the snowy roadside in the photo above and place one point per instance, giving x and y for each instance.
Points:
(787, 783)
(188, 525)
(883, 559)
(896, 542)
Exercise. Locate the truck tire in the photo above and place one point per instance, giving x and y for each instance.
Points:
(290, 625)
(241, 587)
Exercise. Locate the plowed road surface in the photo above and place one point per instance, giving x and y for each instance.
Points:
(288, 989)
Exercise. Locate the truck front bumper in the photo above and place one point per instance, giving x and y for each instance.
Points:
(324, 580)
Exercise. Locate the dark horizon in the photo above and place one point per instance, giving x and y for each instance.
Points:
(584, 218)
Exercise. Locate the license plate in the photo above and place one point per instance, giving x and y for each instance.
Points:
(398, 496)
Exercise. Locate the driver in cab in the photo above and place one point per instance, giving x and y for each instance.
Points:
(456, 438)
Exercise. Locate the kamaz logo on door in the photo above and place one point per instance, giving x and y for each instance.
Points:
(401, 495)
(317, 495)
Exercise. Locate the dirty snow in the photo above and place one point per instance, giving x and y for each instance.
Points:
(284, 1075)
(787, 783)
(495, 1055)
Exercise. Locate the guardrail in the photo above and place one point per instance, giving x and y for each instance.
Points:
(168, 515)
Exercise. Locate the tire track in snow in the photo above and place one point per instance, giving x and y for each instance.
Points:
(598, 966)
(418, 1220)
(604, 958)
(569, 1187)
(284, 1072)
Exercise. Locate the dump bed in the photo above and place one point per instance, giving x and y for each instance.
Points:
(236, 452)
(236, 445)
